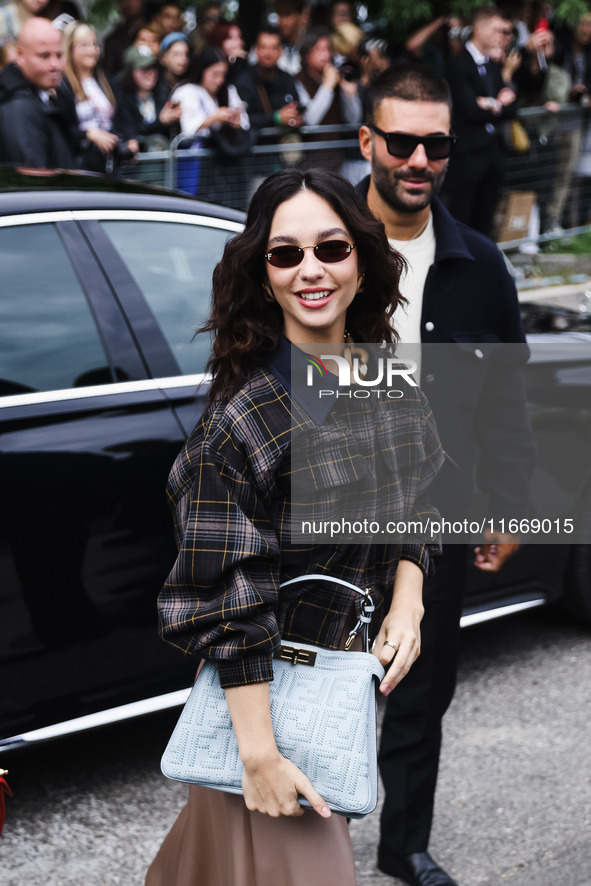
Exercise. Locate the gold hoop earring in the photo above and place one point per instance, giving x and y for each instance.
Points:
(268, 294)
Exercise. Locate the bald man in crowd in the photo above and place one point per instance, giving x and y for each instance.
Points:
(34, 132)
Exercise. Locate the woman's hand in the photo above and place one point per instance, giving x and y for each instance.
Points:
(512, 62)
(234, 118)
(497, 547)
(228, 115)
(289, 115)
(401, 626)
(170, 113)
(349, 87)
(105, 141)
(330, 77)
(271, 784)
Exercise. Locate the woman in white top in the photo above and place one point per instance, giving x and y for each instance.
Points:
(207, 101)
(213, 114)
(95, 102)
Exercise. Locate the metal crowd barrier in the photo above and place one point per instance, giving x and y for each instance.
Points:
(232, 181)
(546, 187)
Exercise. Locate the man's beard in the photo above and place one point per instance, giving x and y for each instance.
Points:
(387, 183)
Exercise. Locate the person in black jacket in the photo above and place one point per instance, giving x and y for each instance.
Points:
(122, 36)
(481, 104)
(143, 110)
(271, 96)
(458, 291)
(33, 131)
(270, 93)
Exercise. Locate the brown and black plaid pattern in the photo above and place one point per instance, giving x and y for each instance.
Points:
(230, 493)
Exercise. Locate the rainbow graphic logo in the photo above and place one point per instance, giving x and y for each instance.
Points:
(315, 363)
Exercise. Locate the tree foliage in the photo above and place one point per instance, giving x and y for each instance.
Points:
(570, 12)
(397, 17)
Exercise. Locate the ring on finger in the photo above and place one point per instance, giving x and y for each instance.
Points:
(393, 645)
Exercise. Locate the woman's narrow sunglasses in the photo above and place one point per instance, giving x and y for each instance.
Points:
(330, 252)
(404, 144)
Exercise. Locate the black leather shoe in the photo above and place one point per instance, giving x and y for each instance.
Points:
(418, 869)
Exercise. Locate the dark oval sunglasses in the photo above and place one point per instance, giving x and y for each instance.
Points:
(404, 144)
(330, 252)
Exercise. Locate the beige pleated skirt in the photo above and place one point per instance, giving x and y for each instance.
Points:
(216, 841)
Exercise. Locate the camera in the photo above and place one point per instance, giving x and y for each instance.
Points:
(373, 44)
(349, 73)
(459, 33)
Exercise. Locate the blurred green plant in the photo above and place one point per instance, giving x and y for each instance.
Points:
(578, 245)
(102, 13)
(404, 16)
(404, 12)
(570, 12)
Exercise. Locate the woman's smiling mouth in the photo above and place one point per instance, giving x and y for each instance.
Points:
(314, 296)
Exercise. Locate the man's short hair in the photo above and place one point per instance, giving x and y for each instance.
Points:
(484, 13)
(268, 29)
(408, 83)
(289, 7)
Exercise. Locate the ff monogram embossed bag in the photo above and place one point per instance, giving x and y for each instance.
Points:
(323, 706)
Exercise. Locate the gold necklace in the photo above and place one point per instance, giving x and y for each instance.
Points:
(420, 230)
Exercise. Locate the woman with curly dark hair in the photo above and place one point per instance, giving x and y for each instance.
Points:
(312, 270)
(248, 325)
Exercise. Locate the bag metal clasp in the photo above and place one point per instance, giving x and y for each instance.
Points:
(296, 656)
(367, 608)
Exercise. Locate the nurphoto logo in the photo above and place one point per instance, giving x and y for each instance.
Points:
(353, 372)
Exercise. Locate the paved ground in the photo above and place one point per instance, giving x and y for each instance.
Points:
(514, 799)
(514, 804)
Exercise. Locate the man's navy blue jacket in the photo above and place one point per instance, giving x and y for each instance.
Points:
(476, 387)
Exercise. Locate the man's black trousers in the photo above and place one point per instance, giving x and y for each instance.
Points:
(411, 730)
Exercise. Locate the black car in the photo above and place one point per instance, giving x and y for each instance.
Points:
(101, 380)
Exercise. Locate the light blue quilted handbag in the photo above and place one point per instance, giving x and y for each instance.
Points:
(323, 707)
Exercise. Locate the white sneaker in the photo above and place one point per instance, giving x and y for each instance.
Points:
(529, 248)
(555, 229)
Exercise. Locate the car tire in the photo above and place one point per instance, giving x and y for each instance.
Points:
(577, 590)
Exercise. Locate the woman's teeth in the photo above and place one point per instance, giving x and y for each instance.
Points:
(314, 296)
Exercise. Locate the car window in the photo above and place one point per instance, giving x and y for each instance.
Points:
(48, 337)
(172, 264)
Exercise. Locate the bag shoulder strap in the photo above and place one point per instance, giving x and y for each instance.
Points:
(319, 577)
(264, 97)
(367, 606)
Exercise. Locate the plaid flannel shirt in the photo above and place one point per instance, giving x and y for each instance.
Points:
(229, 490)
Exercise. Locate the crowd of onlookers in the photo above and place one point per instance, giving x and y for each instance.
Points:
(66, 100)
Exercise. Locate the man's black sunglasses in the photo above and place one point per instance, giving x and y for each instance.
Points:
(403, 144)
